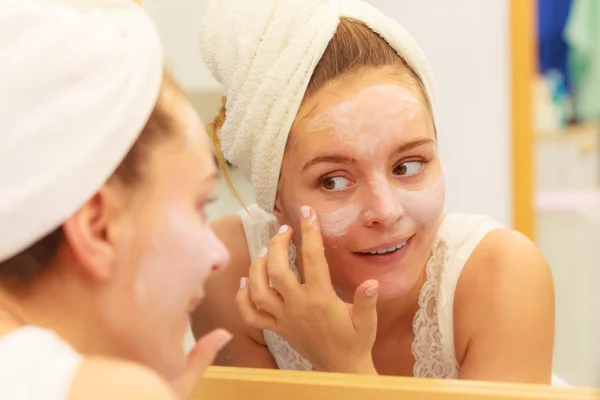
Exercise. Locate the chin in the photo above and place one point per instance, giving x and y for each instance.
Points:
(394, 282)
(171, 363)
(165, 353)
(393, 289)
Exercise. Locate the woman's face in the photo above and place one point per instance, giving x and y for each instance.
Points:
(363, 154)
(165, 249)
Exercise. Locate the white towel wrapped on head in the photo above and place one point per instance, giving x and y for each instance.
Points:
(78, 81)
(264, 53)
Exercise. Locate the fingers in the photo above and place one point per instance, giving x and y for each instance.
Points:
(206, 349)
(316, 271)
(202, 355)
(364, 310)
(262, 295)
(250, 314)
(281, 275)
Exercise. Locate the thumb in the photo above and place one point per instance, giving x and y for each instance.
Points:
(202, 355)
(364, 311)
(206, 349)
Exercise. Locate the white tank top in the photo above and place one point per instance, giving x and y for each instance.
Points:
(433, 324)
(36, 364)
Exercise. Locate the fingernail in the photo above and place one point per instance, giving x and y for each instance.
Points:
(263, 252)
(223, 342)
(306, 211)
(372, 291)
(284, 229)
(243, 283)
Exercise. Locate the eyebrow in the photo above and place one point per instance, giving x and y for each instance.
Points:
(335, 159)
(403, 148)
(329, 159)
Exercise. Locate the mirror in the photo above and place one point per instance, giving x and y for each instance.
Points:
(228, 383)
(502, 112)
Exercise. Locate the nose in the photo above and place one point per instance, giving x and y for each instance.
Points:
(219, 256)
(381, 209)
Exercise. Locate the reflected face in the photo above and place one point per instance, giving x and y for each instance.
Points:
(166, 248)
(364, 155)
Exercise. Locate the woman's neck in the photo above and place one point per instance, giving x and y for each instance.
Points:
(398, 313)
(52, 304)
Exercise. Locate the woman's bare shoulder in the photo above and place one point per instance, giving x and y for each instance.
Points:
(103, 378)
(504, 304)
(504, 270)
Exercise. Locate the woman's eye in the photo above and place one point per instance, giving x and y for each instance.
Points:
(335, 183)
(408, 168)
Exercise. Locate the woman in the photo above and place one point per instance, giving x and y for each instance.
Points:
(104, 174)
(348, 263)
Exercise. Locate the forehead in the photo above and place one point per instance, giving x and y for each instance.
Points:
(383, 102)
(376, 110)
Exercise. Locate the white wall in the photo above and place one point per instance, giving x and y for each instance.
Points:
(569, 238)
(178, 22)
(467, 44)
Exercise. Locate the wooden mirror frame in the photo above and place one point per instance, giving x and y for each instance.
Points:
(225, 383)
(523, 46)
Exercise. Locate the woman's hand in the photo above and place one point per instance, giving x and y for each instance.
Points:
(202, 355)
(333, 335)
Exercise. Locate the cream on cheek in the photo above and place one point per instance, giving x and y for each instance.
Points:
(387, 204)
(423, 206)
(336, 223)
(178, 260)
(388, 201)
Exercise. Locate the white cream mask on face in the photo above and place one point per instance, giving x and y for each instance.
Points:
(366, 125)
(399, 208)
(352, 120)
(336, 223)
(179, 260)
(392, 202)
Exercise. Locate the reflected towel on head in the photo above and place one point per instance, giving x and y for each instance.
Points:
(78, 81)
(264, 53)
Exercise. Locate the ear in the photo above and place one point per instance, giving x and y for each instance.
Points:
(277, 210)
(87, 233)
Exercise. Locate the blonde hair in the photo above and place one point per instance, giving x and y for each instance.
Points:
(354, 48)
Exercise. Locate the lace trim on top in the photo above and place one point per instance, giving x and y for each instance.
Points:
(433, 357)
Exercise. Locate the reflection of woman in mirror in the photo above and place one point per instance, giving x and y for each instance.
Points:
(329, 113)
(104, 174)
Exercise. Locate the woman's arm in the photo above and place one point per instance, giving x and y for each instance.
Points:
(218, 309)
(504, 312)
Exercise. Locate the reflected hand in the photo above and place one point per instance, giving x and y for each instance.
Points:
(333, 335)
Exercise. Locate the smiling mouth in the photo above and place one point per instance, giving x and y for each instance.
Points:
(388, 249)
